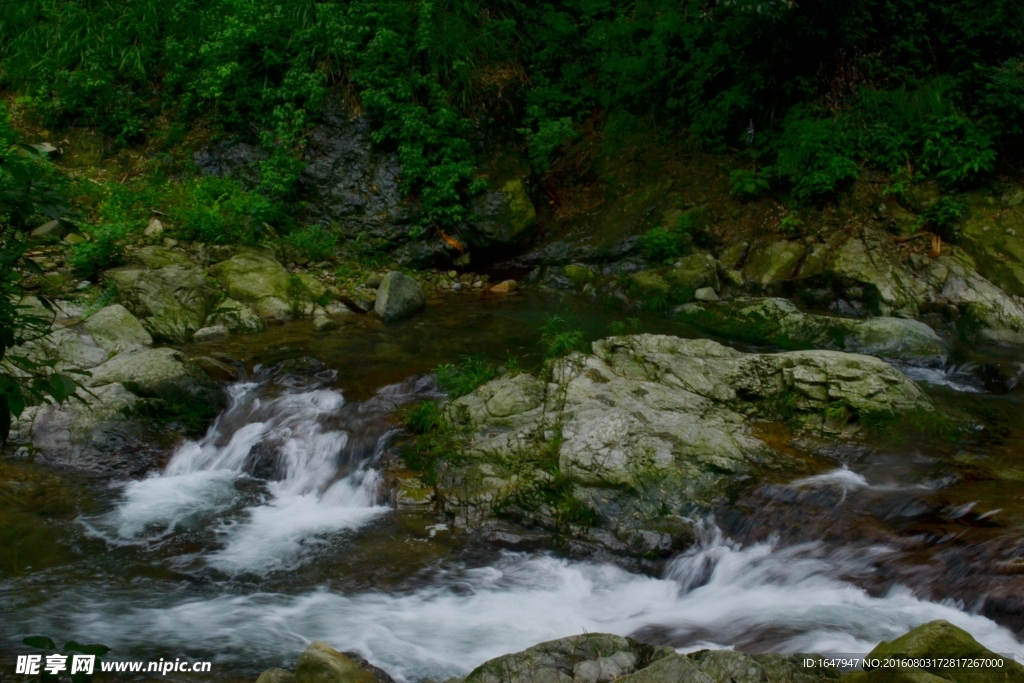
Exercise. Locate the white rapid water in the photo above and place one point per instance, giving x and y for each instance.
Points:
(315, 464)
(761, 597)
(303, 504)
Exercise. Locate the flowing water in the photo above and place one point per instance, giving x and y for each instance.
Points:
(272, 530)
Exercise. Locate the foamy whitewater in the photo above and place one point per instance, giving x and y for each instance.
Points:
(718, 594)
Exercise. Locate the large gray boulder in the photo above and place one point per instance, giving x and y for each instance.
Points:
(237, 317)
(158, 373)
(650, 429)
(254, 277)
(171, 302)
(398, 296)
(116, 330)
(986, 311)
(778, 322)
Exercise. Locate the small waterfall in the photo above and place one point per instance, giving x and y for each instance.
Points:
(285, 466)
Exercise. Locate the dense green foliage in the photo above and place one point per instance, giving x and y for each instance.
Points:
(29, 191)
(805, 92)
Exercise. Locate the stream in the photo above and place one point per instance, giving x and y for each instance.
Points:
(272, 530)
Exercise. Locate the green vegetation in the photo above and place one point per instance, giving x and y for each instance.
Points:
(29, 191)
(558, 339)
(458, 380)
(807, 93)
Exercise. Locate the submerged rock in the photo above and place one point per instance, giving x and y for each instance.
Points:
(649, 430)
(779, 322)
(398, 296)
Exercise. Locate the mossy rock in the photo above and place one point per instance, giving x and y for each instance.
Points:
(994, 237)
(938, 639)
(579, 275)
(320, 663)
(772, 261)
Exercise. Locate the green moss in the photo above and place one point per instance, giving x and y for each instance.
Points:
(522, 214)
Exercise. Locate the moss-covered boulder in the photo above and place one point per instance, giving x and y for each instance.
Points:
(399, 296)
(647, 430)
(868, 258)
(993, 234)
(115, 329)
(171, 302)
(320, 663)
(162, 374)
(694, 272)
(237, 317)
(768, 262)
(939, 640)
(987, 312)
(778, 322)
(254, 277)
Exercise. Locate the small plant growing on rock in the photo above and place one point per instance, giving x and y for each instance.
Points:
(558, 339)
(747, 184)
(458, 380)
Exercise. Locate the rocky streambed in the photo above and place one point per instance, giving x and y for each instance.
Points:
(807, 483)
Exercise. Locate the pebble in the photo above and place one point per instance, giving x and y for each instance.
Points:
(456, 286)
(84, 284)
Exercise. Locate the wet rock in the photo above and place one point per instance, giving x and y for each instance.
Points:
(254, 277)
(211, 334)
(505, 287)
(504, 216)
(157, 373)
(171, 302)
(646, 409)
(322, 323)
(93, 434)
(217, 370)
(868, 259)
(276, 675)
(320, 663)
(768, 262)
(986, 311)
(591, 657)
(398, 296)
(778, 322)
(237, 317)
(116, 330)
(993, 234)
(694, 272)
(940, 639)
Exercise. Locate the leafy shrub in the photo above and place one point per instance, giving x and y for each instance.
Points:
(747, 184)
(104, 250)
(313, 241)
(813, 157)
(942, 218)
